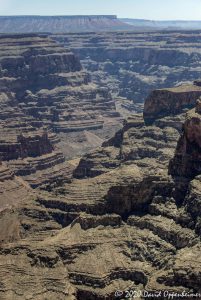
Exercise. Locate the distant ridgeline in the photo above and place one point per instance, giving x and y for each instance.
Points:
(19, 24)
(87, 23)
(172, 24)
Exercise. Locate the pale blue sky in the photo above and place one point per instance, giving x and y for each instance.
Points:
(146, 9)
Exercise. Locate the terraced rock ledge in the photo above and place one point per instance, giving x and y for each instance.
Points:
(128, 218)
(45, 98)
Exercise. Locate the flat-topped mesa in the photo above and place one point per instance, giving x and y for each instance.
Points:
(171, 101)
(187, 158)
(77, 23)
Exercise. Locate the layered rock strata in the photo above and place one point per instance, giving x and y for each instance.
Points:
(172, 101)
(44, 97)
(133, 64)
(50, 86)
(123, 223)
(27, 147)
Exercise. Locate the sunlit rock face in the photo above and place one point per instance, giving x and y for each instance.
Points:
(17, 24)
(124, 215)
(45, 98)
(132, 64)
(172, 101)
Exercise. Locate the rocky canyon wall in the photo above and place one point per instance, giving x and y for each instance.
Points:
(133, 64)
(45, 95)
(124, 216)
(128, 217)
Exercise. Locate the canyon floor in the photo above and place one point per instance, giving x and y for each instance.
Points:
(100, 167)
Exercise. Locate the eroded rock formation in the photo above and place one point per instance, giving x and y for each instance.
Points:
(50, 86)
(121, 223)
(133, 64)
(45, 97)
(171, 101)
(187, 159)
(123, 216)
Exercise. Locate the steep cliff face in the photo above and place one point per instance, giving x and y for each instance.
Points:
(186, 161)
(171, 101)
(133, 64)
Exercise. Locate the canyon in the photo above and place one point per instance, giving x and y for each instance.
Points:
(100, 177)
(46, 98)
(132, 64)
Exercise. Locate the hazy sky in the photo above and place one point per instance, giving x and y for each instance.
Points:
(146, 9)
